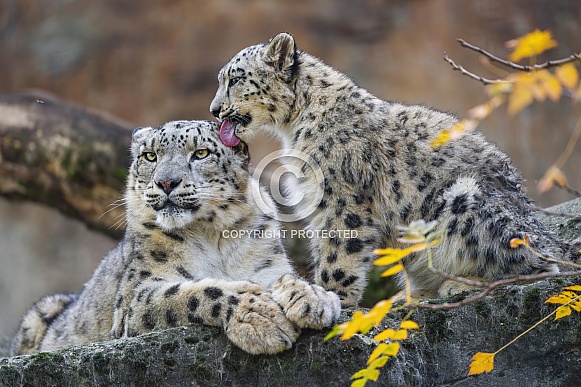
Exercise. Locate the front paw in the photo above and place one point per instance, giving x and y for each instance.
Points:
(259, 326)
(306, 305)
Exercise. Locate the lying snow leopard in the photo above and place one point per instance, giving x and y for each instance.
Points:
(175, 266)
(380, 172)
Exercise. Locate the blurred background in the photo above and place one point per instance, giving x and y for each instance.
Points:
(149, 62)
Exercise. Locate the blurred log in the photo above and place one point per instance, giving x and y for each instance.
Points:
(65, 156)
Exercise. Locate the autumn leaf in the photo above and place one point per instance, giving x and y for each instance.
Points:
(575, 288)
(567, 75)
(553, 176)
(531, 44)
(378, 351)
(378, 363)
(360, 382)
(563, 311)
(500, 88)
(550, 83)
(392, 270)
(378, 312)
(364, 375)
(558, 299)
(522, 95)
(400, 334)
(453, 133)
(409, 324)
(516, 242)
(334, 332)
(391, 255)
(481, 362)
(358, 322)
(385, 335)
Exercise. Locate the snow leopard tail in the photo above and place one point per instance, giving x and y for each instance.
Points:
(36, 322)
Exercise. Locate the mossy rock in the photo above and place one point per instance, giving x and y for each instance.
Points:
(439, 353)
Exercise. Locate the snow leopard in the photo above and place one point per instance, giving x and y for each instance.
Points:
(178, 263)
(380, 172)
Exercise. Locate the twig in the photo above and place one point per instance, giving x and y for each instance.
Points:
(573, 192)
(463, 71)
(493, 285)
(494, 58)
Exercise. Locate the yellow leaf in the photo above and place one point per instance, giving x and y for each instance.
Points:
(365, 375)
(441, 139)
(550, 84)
(378, 363)
(568, 75)
(401, 334)
(454, 132)
(481, 362)
(576, 306)
(409, 324)
(498, 89)
(392, 270)
(563, 311)
(519, 99)
(531, 44)
(553, 176)
(392, 349)
(334, 332)
(573, 287)
(360, 374)
(569, 294)
(358, 382)
(559, 299)
(516, 242)
(385, 335)
(390, 256)
(355, 325)
(377, 352)
(379, 311)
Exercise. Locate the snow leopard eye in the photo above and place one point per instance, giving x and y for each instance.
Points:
(233, 81)
(150, 156)
(200, 154)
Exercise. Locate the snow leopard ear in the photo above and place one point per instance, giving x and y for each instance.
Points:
(281, 54)
(138, 138)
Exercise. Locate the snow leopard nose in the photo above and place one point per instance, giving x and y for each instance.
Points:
(216, 107)
(168, 185)
(215, 111)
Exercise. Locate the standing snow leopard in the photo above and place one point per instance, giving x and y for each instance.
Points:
(380, 172)
(175, 265)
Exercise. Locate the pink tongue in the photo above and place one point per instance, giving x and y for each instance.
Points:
(227, 135)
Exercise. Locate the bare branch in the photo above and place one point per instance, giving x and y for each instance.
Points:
(467, 73)
(512, 65)
(493, 285)
(573, 192)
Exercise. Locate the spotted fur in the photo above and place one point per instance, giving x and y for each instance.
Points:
(175, 265)
(380, 172)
